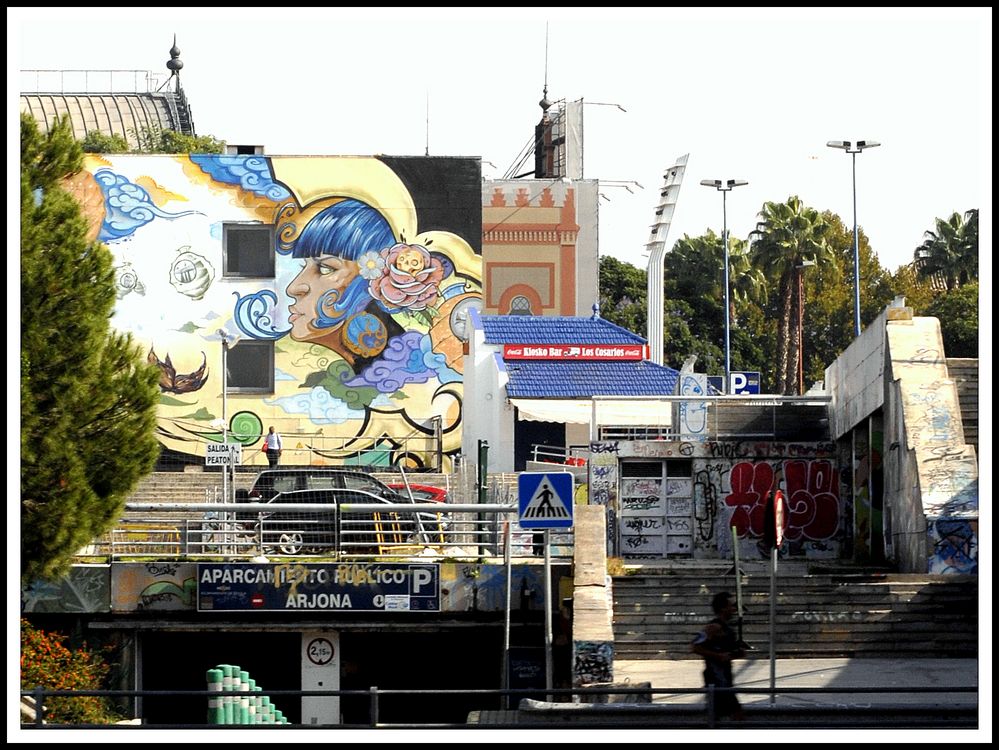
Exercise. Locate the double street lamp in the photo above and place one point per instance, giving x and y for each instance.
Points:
(724, 187)
(852, 149)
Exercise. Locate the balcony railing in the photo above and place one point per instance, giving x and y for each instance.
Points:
(345, 530)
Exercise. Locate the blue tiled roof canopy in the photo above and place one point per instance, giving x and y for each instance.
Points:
(526, 329)
(582, 379)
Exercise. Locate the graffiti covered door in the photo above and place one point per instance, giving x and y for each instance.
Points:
(656, 509)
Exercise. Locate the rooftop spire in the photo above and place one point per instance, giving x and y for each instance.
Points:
(174, 64)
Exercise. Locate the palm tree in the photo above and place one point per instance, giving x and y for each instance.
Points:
(788, 237)
(950, 254)
(748, 282)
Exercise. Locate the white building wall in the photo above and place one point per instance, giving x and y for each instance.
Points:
(488, 415)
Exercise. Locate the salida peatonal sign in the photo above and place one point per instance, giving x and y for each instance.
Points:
(628, 352)
(300, 587)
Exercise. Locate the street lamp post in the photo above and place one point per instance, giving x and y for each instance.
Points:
(724, 187)
(853, 151)
(224, 336)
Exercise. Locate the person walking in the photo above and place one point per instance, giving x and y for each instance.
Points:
(719, 644)
(272, 444)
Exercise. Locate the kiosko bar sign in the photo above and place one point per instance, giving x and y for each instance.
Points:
(631, 352)
(377, 587)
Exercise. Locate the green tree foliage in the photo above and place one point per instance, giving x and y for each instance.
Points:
(623, 295)
(788, 235)
(957, 311)
(950, 251)
(694, 290)
(828, 297)
(917, 290)
(152, 140)
(88, 398)
(156, 140)
(46, 661)
(96, 142)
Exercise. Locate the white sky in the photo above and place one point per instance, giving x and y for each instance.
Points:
(750, 94)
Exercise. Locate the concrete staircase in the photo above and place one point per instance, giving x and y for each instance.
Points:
(657, 613)
(186, 486)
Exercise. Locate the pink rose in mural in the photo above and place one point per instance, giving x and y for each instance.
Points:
(409, 278)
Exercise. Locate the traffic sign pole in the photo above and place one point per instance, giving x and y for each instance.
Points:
(548, 613)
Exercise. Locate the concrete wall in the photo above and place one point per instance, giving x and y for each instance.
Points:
(856, 379)
(592, 608)
(893, 385)
(931, 473)
(491, 418)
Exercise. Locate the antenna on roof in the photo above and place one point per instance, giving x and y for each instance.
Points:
(427, 152)
(544, 103)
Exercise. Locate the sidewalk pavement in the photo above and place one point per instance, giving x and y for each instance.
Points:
(889, 676)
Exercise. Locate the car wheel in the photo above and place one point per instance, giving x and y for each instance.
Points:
(290, 542)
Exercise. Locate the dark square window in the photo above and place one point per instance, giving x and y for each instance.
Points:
(250, 367)
(248, 250)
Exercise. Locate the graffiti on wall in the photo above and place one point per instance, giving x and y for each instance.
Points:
(604, 484)
(693, 415)
(947, 467)
(811, 489)
(159, 586)
(707, 485)
(85, 588)
(954, 545)
(360, 294)
(592, 661)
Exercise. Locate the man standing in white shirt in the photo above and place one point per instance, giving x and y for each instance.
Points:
(272, 444)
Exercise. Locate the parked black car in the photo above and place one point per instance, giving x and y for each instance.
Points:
(272, 481)
(326, 530)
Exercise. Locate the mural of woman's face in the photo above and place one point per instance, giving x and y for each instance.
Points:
(317, 288)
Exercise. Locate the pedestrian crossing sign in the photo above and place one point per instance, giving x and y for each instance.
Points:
(545, 500)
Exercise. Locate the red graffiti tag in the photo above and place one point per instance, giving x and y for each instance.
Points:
(812, 499)
(750, 483)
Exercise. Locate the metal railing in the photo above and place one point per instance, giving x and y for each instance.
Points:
(598, 706)
(363, 527)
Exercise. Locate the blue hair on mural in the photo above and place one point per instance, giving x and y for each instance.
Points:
(347, 229)
(252, 173)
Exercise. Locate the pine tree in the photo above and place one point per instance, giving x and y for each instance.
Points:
(88, 398)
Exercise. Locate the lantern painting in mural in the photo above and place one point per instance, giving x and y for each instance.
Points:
(352, 300)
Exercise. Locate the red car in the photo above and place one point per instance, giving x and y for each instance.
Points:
(422, 493)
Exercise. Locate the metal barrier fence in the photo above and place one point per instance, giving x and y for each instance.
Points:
(607, 707)
(366, 526)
